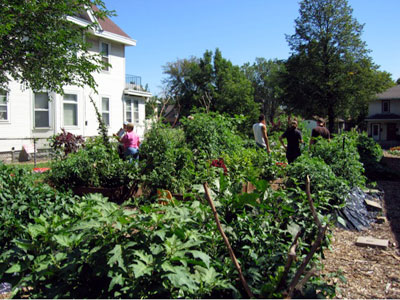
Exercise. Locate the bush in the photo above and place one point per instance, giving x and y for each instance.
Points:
(95, 165)
(341, 154)
(211, 135)
(166, 161)
(328, 190)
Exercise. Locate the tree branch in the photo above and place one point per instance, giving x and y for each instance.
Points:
(224, 237)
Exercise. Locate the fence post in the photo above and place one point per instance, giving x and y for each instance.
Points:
(34, 152)
(12, 154)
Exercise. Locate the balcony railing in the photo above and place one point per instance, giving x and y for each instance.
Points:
(133, 82)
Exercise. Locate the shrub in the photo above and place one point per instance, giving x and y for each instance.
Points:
(92, 166)
(211, 135)
(65, 143)
(341, 154)
(166, 161)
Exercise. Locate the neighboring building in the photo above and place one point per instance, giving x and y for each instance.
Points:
(25, 115)
(383, 121)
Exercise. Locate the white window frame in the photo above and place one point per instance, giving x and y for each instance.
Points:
(106, 111)
(41, 109)
(133, 110)
(77, 109)
(103, 56)
(7, 106)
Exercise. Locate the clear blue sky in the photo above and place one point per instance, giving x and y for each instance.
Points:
(167, 30)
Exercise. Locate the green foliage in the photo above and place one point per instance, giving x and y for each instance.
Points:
(166, 160)
(26, 31)
(212, 83)
(210, 135)
(67, 247)
(92, 166)
(341, 154)
(328, 190)
(337, 76)
(264, 76)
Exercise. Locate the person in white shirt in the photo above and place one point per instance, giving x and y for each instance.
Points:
(260, 133)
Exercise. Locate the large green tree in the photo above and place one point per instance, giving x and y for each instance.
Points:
(41, 48)
(264, 76)
(329, 72)
(211, 82)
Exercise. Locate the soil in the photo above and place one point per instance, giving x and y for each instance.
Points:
(370, 272)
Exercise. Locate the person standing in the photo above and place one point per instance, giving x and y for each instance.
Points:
(320, 130)
(260, 133)
(131, 143)
(294, 138)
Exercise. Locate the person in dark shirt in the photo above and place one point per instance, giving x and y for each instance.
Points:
(320, 130)
(294, 138)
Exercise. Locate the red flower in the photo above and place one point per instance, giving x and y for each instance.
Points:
(219, 163)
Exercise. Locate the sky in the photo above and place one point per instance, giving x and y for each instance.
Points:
(168, 30)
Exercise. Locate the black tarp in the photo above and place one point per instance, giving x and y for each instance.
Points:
(356, 215)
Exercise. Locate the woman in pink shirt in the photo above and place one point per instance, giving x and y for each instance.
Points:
(131, 143)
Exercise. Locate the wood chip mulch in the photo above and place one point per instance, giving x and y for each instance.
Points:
(370, 272)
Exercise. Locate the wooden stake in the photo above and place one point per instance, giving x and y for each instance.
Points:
(224, 237)
(315, 246)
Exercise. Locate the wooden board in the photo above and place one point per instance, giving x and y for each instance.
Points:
(372, 242)
(373, 204)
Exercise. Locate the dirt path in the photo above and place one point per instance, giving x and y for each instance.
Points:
(370, 272)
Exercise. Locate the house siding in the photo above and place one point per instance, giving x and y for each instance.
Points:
(111, 84)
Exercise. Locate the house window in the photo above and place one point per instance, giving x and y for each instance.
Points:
(70, 107)
(105, 110)
(4, 111)
(385, 106)
(105, 51)
(132, 111)
(41, 110)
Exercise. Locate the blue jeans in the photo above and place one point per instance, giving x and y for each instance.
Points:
(131, 154)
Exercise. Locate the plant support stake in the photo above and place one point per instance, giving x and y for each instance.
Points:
(224, 237)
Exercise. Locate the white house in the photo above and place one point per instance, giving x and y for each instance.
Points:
(384, 117)
(25, 115)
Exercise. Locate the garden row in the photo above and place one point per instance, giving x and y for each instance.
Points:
(58, 245)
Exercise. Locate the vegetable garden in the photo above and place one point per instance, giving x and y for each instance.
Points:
(56, 244)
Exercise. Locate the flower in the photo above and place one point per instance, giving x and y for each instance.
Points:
(219, 163)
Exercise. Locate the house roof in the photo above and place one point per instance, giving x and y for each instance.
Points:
(107, 28)
(108, 25)
(389, 116)
(392, 93)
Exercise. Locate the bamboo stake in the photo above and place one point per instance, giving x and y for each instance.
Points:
(224, 237)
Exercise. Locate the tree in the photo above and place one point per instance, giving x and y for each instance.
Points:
(329, 68)
(212, 83)
(42, 49)
(264, 75)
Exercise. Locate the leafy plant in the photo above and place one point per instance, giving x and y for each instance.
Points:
(92, 166)
(166, 161)
(66, 143)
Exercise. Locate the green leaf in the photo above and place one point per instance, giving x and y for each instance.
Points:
(117, 279)
(36, 230)
(203, 256)
(140, 269)
(14, 269)
(63, 240)
(117, 257)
